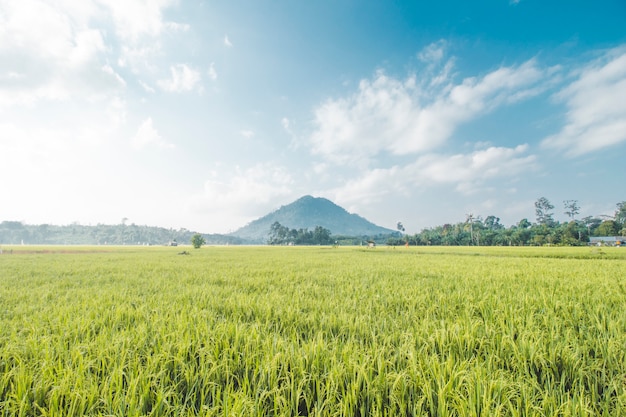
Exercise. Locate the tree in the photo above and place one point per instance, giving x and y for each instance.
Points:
(469, 219)
(620, 213)
(591, 223)
(401, 229)
(607, 228)
(197, 240)
(493, 223)
(543, 211)
(282, 235)
(279, 234)
(571, 208)
(573, 233)
(321, 236)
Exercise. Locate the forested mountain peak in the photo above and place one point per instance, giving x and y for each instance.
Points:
(307, 212)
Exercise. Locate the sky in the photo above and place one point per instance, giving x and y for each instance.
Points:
(206, 115)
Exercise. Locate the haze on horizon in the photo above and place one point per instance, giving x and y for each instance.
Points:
(207, 115)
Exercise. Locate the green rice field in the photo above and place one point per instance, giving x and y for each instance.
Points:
(312, 331)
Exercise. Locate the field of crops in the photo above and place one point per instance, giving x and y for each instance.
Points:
(318, 331)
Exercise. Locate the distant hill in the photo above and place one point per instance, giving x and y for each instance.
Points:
(308, 212)
(304, 213)
(13, 232)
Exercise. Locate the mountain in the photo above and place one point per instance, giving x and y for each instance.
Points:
(308, 212)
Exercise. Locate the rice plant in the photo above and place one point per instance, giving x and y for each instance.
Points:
(312, 331)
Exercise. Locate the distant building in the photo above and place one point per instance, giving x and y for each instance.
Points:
(607, 240)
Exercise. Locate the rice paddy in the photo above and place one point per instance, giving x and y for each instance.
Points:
(312, 331)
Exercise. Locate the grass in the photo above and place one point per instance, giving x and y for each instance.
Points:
(267, 331)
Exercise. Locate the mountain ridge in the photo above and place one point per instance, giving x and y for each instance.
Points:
(307, 212)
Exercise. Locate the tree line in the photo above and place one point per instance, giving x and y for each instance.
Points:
(476, 231)
(282, 235)
(14, 232)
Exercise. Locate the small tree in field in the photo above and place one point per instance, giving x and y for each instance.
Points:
(197, 240)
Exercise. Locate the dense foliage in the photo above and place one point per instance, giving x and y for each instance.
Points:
(268, 331)
(197, 241)
(13, 232)
(475, 231)
(282, 235)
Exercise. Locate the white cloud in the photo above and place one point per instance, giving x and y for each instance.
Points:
(493, 162)
(139, 25)
(73, 33)
(146, 87)
(139, 58)
(465, 172)
(238, 195)
(406, 116)
(32, 25)
(183, 78)
(116, 112)
(88, 43)
(147, 135)
(212, 73)
(227, 42)
(178, 27)
(52, 49)
(48, 156)
(61, 50)
(434, 52)
(109, 70)
(596, 102)
(247, 133)
(46, 160)
(136, 18)
(287, 126)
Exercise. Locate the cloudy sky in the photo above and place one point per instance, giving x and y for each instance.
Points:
(208, 114)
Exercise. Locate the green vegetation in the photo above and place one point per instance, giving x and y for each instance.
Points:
(282, 235)
(13, 232)
(475, 231)
(319, 331)
(197, 241)
(330, 223)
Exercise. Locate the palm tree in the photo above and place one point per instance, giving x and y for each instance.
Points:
(469, 219)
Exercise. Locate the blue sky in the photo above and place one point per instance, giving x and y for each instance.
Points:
(206, 115)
